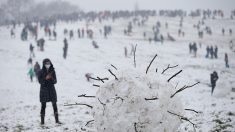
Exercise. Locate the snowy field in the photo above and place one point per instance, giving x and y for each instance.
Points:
(20, 106)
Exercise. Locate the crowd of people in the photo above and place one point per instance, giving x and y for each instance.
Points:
(31, 29)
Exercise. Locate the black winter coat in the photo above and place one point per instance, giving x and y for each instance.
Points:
(47, 89)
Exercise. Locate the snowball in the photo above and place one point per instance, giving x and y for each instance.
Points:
(125, 109)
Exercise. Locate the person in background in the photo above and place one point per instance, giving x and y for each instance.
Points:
(226, 60)
(207, 51)
(31, 74)
(214, 78)
(31, 49)
(216, 52)
(36, 69)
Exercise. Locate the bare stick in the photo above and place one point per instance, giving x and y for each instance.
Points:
(168, 67)
(134, 56)
(113, 74)
(79, 104)
(192, 110)
(135, 125)
(102, 79)
(182, 118)
(114, 67)
(89, 122)
(103, 104)
(84, 95)
(96, 85)
(93, 78)
(174, 75)
(116, 98)
(151, 63)
(151, 98)
(83, 129)
(99, 79)
(183, 88)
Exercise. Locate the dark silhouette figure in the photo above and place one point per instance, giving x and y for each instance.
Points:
(226, 60)
(207, 51)
(216, 52)
(65, 48)
(214, 78)
(47, 79)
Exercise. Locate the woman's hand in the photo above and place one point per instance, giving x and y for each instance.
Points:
(48, 77)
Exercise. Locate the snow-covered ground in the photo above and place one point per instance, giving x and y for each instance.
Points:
(19, 102)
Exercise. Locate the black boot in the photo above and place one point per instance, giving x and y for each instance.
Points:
(57, 118)
(42, 119)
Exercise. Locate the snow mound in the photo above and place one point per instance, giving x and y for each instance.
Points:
(122, 106)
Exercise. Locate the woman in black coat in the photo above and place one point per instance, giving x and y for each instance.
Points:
(47, 79)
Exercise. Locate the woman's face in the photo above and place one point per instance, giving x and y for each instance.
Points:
(47, 65)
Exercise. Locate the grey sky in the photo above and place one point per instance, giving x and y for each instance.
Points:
(87, 5)
(153, 4)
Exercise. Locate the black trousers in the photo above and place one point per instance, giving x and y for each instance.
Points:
(43, 108)
(213, 87)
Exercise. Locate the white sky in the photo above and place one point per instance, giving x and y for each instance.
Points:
(87, 5)
(153, 4)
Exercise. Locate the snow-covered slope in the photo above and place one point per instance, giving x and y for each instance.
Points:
(20, 106)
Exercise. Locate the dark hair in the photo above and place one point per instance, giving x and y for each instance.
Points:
(46, 61)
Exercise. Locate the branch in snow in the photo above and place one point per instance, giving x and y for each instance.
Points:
(103, 104)
(183, 88)
(96, 85)
(94, 78)
(168, 67)
(134, 56)
(182, 118)
(83, 129)
(151, 63)
(114, 67)
(113, 74)
(135, 125)
(116, 98)
(89, 122)
(102, 79)
(84, 95)
(174, 75)
(151, 98)
(79, 104)
(192, 110)
(99, 79)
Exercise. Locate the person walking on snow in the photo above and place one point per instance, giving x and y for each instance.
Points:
(214, 78)
(36, 69)
(226, 60)
(31, 49)
(216, 52)
(65, 48)
(31, 74)
(47, 80)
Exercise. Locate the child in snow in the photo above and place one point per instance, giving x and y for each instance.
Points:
(31, 74)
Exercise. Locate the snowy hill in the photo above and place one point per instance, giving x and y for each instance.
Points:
(20, 106)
